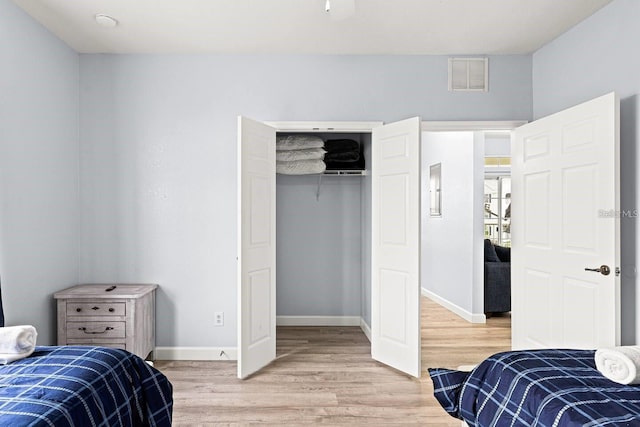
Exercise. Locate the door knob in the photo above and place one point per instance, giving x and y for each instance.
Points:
(603, 269)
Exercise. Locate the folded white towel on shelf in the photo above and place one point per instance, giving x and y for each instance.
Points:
(295, 155)
(298, 142)
(619, 364)
(301, 167)
(16, 342)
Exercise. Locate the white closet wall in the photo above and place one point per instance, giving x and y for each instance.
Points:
(319, 246)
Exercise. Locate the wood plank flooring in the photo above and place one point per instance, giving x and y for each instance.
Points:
(326, 376)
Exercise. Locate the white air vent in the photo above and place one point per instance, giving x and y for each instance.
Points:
(469, 74)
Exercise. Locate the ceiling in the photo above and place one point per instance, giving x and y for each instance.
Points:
(432, 27)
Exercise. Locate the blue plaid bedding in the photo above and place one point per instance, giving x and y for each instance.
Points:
(537, 388)
(83, 386)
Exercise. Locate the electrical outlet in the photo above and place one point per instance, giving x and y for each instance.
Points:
(218, 318)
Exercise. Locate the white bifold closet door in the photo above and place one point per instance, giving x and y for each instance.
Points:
(395, 246)
(256, 246)
(395, 251)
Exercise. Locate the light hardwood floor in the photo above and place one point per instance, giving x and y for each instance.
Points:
(326, 376)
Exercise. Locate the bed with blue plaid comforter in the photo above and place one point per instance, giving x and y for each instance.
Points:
(537, 388)
(83, 386)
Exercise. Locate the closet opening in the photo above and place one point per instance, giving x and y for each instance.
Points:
(323, 222)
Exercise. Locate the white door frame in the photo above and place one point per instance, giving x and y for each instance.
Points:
(457, 126)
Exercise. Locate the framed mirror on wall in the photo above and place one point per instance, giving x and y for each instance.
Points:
(435, 189)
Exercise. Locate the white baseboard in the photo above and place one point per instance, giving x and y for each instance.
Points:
(466, 315)
(318, 320)
(196, 353)
(366, 329)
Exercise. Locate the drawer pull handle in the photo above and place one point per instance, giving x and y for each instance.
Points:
(107, 328)
(78, 309)
(111, 309)
(95, 308)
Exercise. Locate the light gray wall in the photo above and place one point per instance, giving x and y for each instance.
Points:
(39, 170)
(497, 144)
(159, 156)
(596, 57)
(158, 152)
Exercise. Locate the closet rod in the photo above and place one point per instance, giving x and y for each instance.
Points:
(345, 172)
(336, 173)
(318, 189)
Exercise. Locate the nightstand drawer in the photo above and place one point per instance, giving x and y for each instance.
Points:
(95, 308)
(95, 329)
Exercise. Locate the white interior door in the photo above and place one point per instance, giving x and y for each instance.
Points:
(256, 246)
(395, 251)
(565, 208)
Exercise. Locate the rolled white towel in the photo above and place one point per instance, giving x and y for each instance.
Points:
(619, 364)
(16, 342)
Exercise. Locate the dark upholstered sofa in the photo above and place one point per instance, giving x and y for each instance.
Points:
(497, 278)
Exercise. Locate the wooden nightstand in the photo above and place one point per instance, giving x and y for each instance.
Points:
(109, 315)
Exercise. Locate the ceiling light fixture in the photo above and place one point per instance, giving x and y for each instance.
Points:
(340, 9)
(105, 20)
